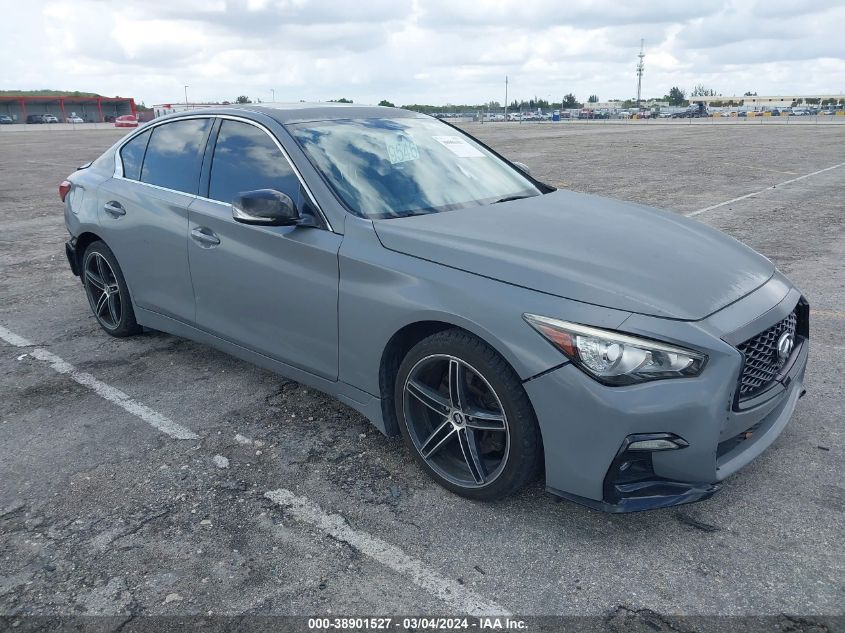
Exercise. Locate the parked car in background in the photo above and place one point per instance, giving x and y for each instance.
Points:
(74, 119)
(601, 113)
(397, 263)
(697, 110)
(127, 120)
(800, 112)
(35, 118)
(51, 118)
(5, 119)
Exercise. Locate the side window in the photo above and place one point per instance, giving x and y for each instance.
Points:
(246, 159)
(174, 155)
(132, 155)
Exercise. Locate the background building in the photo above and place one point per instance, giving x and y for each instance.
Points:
(90, 109)
(160, 109)
(778, 101)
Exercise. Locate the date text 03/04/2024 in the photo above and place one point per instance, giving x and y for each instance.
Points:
(417, 623)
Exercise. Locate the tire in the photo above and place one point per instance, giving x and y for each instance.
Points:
(110, 301)
(483, 444)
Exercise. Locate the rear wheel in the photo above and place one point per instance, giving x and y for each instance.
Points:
(465, 416)
(107, 292)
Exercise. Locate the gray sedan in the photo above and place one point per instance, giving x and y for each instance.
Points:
(506, 329)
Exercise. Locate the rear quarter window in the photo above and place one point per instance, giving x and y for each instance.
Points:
(132, 156)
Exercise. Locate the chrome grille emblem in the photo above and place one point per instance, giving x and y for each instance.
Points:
(786, 342)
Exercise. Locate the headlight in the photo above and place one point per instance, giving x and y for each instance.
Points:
(617, 359)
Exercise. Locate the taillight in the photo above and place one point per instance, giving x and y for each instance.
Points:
(64, 189)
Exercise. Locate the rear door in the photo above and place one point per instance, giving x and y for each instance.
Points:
(271, 289)
(144, 214)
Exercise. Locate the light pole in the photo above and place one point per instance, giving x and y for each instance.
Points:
(640, 69)
(506, 98)
(186, 96)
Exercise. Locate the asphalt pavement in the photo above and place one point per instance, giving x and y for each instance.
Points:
(281, 500)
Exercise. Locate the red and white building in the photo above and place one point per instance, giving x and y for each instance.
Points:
(89, 109)
(160, 109)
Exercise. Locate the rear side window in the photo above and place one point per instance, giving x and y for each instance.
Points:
(132, 155)
(174, 155)
(246, 159)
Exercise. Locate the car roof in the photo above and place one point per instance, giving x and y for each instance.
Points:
(286, 113)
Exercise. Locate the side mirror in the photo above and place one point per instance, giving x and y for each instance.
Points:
(266, 207)
(523, 167)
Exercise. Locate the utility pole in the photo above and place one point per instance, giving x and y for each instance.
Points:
(640, 68)
(273, 92)
(186, 97)
(506, 97)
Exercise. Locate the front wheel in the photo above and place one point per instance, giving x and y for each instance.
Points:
(107, 292)
(466, 418)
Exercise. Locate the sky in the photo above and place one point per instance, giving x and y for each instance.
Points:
(420, 51)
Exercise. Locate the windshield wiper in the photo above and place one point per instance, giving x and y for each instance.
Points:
(509, 198)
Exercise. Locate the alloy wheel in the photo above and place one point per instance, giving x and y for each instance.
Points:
(103, 291)
(456, 421)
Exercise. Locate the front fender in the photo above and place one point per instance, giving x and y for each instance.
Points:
(382, 291)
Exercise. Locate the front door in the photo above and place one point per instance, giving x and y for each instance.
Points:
(271, 289)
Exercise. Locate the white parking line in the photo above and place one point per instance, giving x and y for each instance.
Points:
(13, 339)
(449, 591)
(835, 314)
(112, 394)
(692, 214)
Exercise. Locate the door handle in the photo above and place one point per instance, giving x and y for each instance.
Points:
(114, 209)
(204, 236)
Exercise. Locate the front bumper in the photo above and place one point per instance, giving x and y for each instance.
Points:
(586, 426)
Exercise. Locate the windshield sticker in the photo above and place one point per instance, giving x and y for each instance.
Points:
(402, 149)
(458, 146)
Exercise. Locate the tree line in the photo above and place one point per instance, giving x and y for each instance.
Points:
(676, 97)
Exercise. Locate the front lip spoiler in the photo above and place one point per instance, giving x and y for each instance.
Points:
(647, 495)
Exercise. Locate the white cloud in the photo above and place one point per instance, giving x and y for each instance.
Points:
(419, 51)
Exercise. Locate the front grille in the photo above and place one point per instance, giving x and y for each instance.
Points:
(762, 363)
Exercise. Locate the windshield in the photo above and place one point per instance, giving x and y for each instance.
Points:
(385, 168)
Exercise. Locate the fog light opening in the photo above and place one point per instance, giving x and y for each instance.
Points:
(666, 443)
(631, 484)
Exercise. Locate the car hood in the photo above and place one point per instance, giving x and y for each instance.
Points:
(591, 249)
